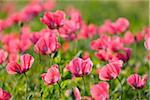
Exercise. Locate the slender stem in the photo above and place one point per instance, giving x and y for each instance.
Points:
(41, 91)
(76, 46)
(139, 95)
(39, 58)
(2, 67)
(59, 89)
(58, 34)
(51, 58)
(121, 87)
(26, 84)
(83, 81)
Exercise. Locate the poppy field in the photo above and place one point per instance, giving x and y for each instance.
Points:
(74, 50)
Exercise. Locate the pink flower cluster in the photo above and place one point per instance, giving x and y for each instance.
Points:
(109, 48)
(30, 11)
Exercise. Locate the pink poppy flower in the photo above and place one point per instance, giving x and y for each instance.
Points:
(87, 31)
(136, 81)
(45, 45)
(52, 76)
(26, 62)
(12, 46)
(79, 67)
(146, 31)
(125, 56)
(8, 37)
(110, 27)
(116, 44)
(7, 23)
(30, 11)
(122, 24)
(128, 38)
(111, 70)
(104, 55)
(101, 43)
(11, 43)
(4, 95)
(25, 42)
(102, 29)
(54, 20)
(35, 37)
(25, 29)
(3, 55)
(48, 5)
(117, 27)
(139, 36)
(15, 18)
(13, 57)
(100, 91)
(75, 15)
(92, 30)
(84, 32)
(68, 30)
(147, 43)
(77, 93)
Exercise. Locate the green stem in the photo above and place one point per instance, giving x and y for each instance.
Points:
(58, 34)
(76, 46)
(41, 92)
(51, 59)
(121, 88)
(59, 89)
(39, 59)
(2, 67)
(139, 95)
(26, 84)
(83, 81)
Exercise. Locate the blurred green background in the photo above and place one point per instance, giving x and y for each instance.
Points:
(96, 11)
